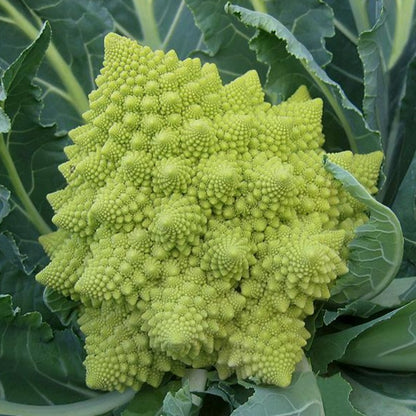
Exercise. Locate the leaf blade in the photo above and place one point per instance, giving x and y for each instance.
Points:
(332, 347)
(336, 391)
(301, 398)
(32, 355)
(376, 251)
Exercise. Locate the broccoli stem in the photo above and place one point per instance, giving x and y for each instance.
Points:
(359, 11)
(197, 380)
(148, 24)
(91, 407)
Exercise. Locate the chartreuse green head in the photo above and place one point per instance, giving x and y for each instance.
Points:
(198, 224)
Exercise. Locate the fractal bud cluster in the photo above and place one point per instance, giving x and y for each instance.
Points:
(198, 224)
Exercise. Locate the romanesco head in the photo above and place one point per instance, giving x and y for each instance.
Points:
(198, 224)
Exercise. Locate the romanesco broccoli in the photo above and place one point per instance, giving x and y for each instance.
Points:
(198, 224)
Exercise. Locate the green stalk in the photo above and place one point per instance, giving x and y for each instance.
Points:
(259, 6)
(403, 26)
(91, 407)
(345, 31)
(197, 380)
(359, 11)
(76, 94)
(339, 113)
(31, 211)
(146, 16)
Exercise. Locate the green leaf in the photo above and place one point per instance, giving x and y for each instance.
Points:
(73, 58)
(38, 366)
(178, 403)
(291, 64)
(397, 293)
(158, 24)
(301, 398)
(4, 121)
(404, 205)
(225, 38)
(29, 153)
(41, 368)
(345, 67)
(310, 21)
(63, 308)
(408, 266)
(331, 347)
(389, 345)
(387, 52)
(378, 393)
(335, 392)
(4, 202)
(313, 323)
(376, 252)
(373, 46)
(17, 281)
(18, 76)
(149, 400)
(402, 27)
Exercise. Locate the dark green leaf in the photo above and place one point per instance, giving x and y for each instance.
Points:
(63, 308)
(178, 403)
(404, 207)
(387, 52)
(74, 57)
(314, 322)
(375, 253)
(29, 153)
(397, 293)
(233, 394)
(335, 392)
(148, 401)
(408, 266)
(38, 366)
(222, 393)
(291, 65)
(18, 76)
(310, 21)
(225, 38)
(331, 347)
(17, 281)
(405, 203)
(158, 24)
(4, 120)
(401, 145)
(11, 255)
(374, 47)
(378, 393)
(345, 67)
(388, 345)
(4, 202)
(301, 398)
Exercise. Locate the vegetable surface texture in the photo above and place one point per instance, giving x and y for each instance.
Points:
(198, 225)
